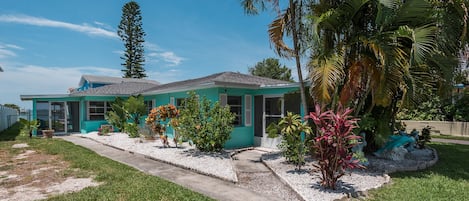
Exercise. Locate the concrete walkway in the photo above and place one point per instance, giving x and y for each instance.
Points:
(253, 174)
(464, 142)
(209, 186)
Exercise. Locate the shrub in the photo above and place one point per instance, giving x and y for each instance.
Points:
(292, 146)
(425, 137)
(332, 144)
(27, 127)
(117, 116)
(206, 126)
(156, 120)
(132, 130)
(130, 110)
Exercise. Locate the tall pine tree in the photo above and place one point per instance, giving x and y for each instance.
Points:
(131, 32)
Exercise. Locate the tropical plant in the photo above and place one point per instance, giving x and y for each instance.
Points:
(271, 68)
(293, 145)
(373, 54)
(157, 120)
(333, 142)
(205, 125)
(134, 108)
(117, 116)
(131, 32)
(126, 114)
(27, 127)
(425, 137)
(132, 130)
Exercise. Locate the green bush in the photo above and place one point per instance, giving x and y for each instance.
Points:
(292, 146)
(116, 116)
(206, 126)
(132, 130)
(27, 127)
(425, 137)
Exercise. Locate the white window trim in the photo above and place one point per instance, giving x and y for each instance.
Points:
(263, 110)
(88, 109)
(248, 110)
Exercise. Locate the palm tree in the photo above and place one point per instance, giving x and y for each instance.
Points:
(288, 23)
(377, 53)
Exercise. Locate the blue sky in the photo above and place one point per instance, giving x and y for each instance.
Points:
(45, 46)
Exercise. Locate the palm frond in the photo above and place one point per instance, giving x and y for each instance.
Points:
(277, 30)
(423, 42)
(325, 73)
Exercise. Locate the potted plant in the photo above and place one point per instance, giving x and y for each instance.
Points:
(27, 127)
(48, 133)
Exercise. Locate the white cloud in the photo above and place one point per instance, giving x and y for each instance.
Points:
(6, 50)
(167, 56)
(4, 53)
(14, 46)
(171, 75)
(37, 21)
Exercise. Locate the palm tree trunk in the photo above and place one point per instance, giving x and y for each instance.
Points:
(296, 49)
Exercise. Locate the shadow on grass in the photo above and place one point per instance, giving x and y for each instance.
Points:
(452, 163)
(11, 133)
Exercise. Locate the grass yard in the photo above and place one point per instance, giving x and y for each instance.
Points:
(119, 181)
(447, 180)
(451, 137)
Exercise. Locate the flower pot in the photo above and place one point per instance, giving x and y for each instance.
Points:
(48, 133)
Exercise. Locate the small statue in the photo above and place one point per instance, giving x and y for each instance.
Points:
(395, 141)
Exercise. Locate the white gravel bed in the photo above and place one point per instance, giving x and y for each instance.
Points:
(213, 164)
(307, 184)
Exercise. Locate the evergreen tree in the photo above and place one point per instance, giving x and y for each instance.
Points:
(271, 68)
(131, 32)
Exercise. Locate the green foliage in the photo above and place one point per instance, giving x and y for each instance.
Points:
(27, 127)
(131, 33)
(425, 137)
(14, 106)
(132, 130)
(333, 144)
(134, 108)
(117, 116)
(271, 68)
(292, 146)
(461, 108)
(273, 130)
(123, 112)
(430, 110)
(207, 126)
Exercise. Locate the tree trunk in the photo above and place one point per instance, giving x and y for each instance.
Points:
(296, 49)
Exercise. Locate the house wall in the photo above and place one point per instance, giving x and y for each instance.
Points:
(64, 99)
(242, 135)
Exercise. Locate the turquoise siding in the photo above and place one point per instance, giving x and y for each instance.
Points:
(242, 136)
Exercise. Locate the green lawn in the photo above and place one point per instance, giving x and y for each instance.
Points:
(121, 182)
(452, 137)
(447, 180)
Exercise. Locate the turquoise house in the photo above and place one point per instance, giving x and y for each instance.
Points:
(256, 102)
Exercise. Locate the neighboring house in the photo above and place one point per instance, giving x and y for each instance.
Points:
(256, 101)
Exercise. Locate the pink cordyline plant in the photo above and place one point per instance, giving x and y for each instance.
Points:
(332, 144)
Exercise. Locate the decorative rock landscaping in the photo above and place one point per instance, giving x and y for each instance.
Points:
(304, 182)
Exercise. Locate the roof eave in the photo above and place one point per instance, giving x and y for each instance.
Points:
(31, 97)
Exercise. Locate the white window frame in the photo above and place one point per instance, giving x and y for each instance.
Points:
(88, 113)
(264, 115)
(247, 110)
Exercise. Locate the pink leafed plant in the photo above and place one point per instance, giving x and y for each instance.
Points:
(333, 142)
